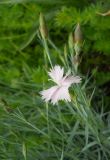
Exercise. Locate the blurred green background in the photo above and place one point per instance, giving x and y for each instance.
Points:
(20, 48)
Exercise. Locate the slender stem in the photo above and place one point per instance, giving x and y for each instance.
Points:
(47, 115)
(47, 51)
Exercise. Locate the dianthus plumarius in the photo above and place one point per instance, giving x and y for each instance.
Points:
(60, 91)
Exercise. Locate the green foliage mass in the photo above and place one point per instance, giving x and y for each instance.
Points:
(19, 27)
(96, 27)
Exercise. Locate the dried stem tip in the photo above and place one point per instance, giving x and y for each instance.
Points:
(43, 26)
(78, 34)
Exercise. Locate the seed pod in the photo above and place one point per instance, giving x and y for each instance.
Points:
(78, 34)
(43, 26)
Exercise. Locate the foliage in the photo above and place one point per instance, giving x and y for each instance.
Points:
(18, 42)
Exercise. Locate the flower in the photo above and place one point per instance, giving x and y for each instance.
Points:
(60, 90)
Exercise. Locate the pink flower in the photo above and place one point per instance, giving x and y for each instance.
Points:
(60, 90)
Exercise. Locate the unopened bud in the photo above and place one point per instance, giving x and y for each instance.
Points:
(71, 42)
(78, 34)
(43, 26)
(77, 48)
(76, 61)
(77, 39)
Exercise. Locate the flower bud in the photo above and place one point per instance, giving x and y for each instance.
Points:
(76, 61)
(77, 39)
(77, 48)
(71, 42)
(43, 26)
(78, 34)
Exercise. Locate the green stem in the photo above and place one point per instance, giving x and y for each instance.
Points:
(47, 51)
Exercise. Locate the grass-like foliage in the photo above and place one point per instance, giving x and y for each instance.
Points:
(31, 129)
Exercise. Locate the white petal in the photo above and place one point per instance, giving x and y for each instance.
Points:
(56, 74)
(48, 93)
(61, 94)
(71, 80)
